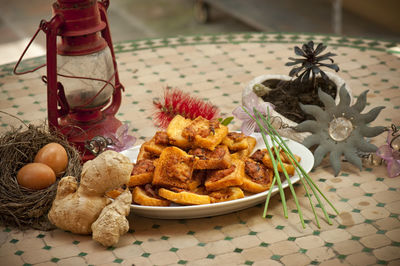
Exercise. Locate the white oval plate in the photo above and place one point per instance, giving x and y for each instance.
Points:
(207, 210)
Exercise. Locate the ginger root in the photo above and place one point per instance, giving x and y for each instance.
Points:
(76, 207)
(112, 222)
(72, 209)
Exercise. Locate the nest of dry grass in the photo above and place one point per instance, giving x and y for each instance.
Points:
(21, 207)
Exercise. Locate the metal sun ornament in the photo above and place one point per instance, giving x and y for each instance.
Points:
(340, 129)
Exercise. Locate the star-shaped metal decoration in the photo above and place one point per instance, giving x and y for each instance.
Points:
(340, 129)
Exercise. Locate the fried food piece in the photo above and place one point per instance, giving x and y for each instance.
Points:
(205, 133)
(230, 193)
(199, 126)
(201, 190)
(251, 142)
(142, 173)
(148, 197)
(220, 158)
(235, 141)
(174, 132)
(197, 180)
(174, 168)
(258, 155)
(114, 193)
(143, 154)
(161, 138)
(230, 177)
(268, 162)
(258, 177)
(157, 144)
(183, 197)
(285, 158)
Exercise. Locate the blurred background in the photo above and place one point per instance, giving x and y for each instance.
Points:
(138, 19)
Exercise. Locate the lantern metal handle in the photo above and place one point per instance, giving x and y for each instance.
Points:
(43, 25)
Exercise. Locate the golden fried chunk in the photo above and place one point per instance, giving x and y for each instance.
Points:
(183, 197)
(197, 180)
(157, 144)
(143, 154)
(235, 141)
(258, 177)
(258, 155)
(174, 168)
(285, 158)
(148, 197)
(201, 190)
(174, 132)
(220, 158)
(205, 133)
(142, 173)
(114, 193)
(268, 162)
(251, 142)
(220, 179)
(230, 193)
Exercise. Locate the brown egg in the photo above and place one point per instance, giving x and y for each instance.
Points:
(36, 176)
(55, 156)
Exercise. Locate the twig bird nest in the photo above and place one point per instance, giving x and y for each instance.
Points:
(21, 207)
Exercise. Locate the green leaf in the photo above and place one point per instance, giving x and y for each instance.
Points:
(225, 121)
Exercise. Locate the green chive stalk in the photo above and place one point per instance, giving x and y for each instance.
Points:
(268, 197)
(263, 131)
(267, 128)
(299, 170)
(276, 176)
(298, 167)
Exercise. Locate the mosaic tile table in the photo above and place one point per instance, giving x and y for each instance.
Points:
(367, 231)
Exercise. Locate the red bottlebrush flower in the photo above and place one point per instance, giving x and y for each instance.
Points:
(177, 102)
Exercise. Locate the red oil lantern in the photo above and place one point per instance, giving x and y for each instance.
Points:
(83, 88)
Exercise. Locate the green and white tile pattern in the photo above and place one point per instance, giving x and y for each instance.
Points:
(217, 67)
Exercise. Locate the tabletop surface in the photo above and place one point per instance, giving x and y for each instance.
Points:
(216, 68)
